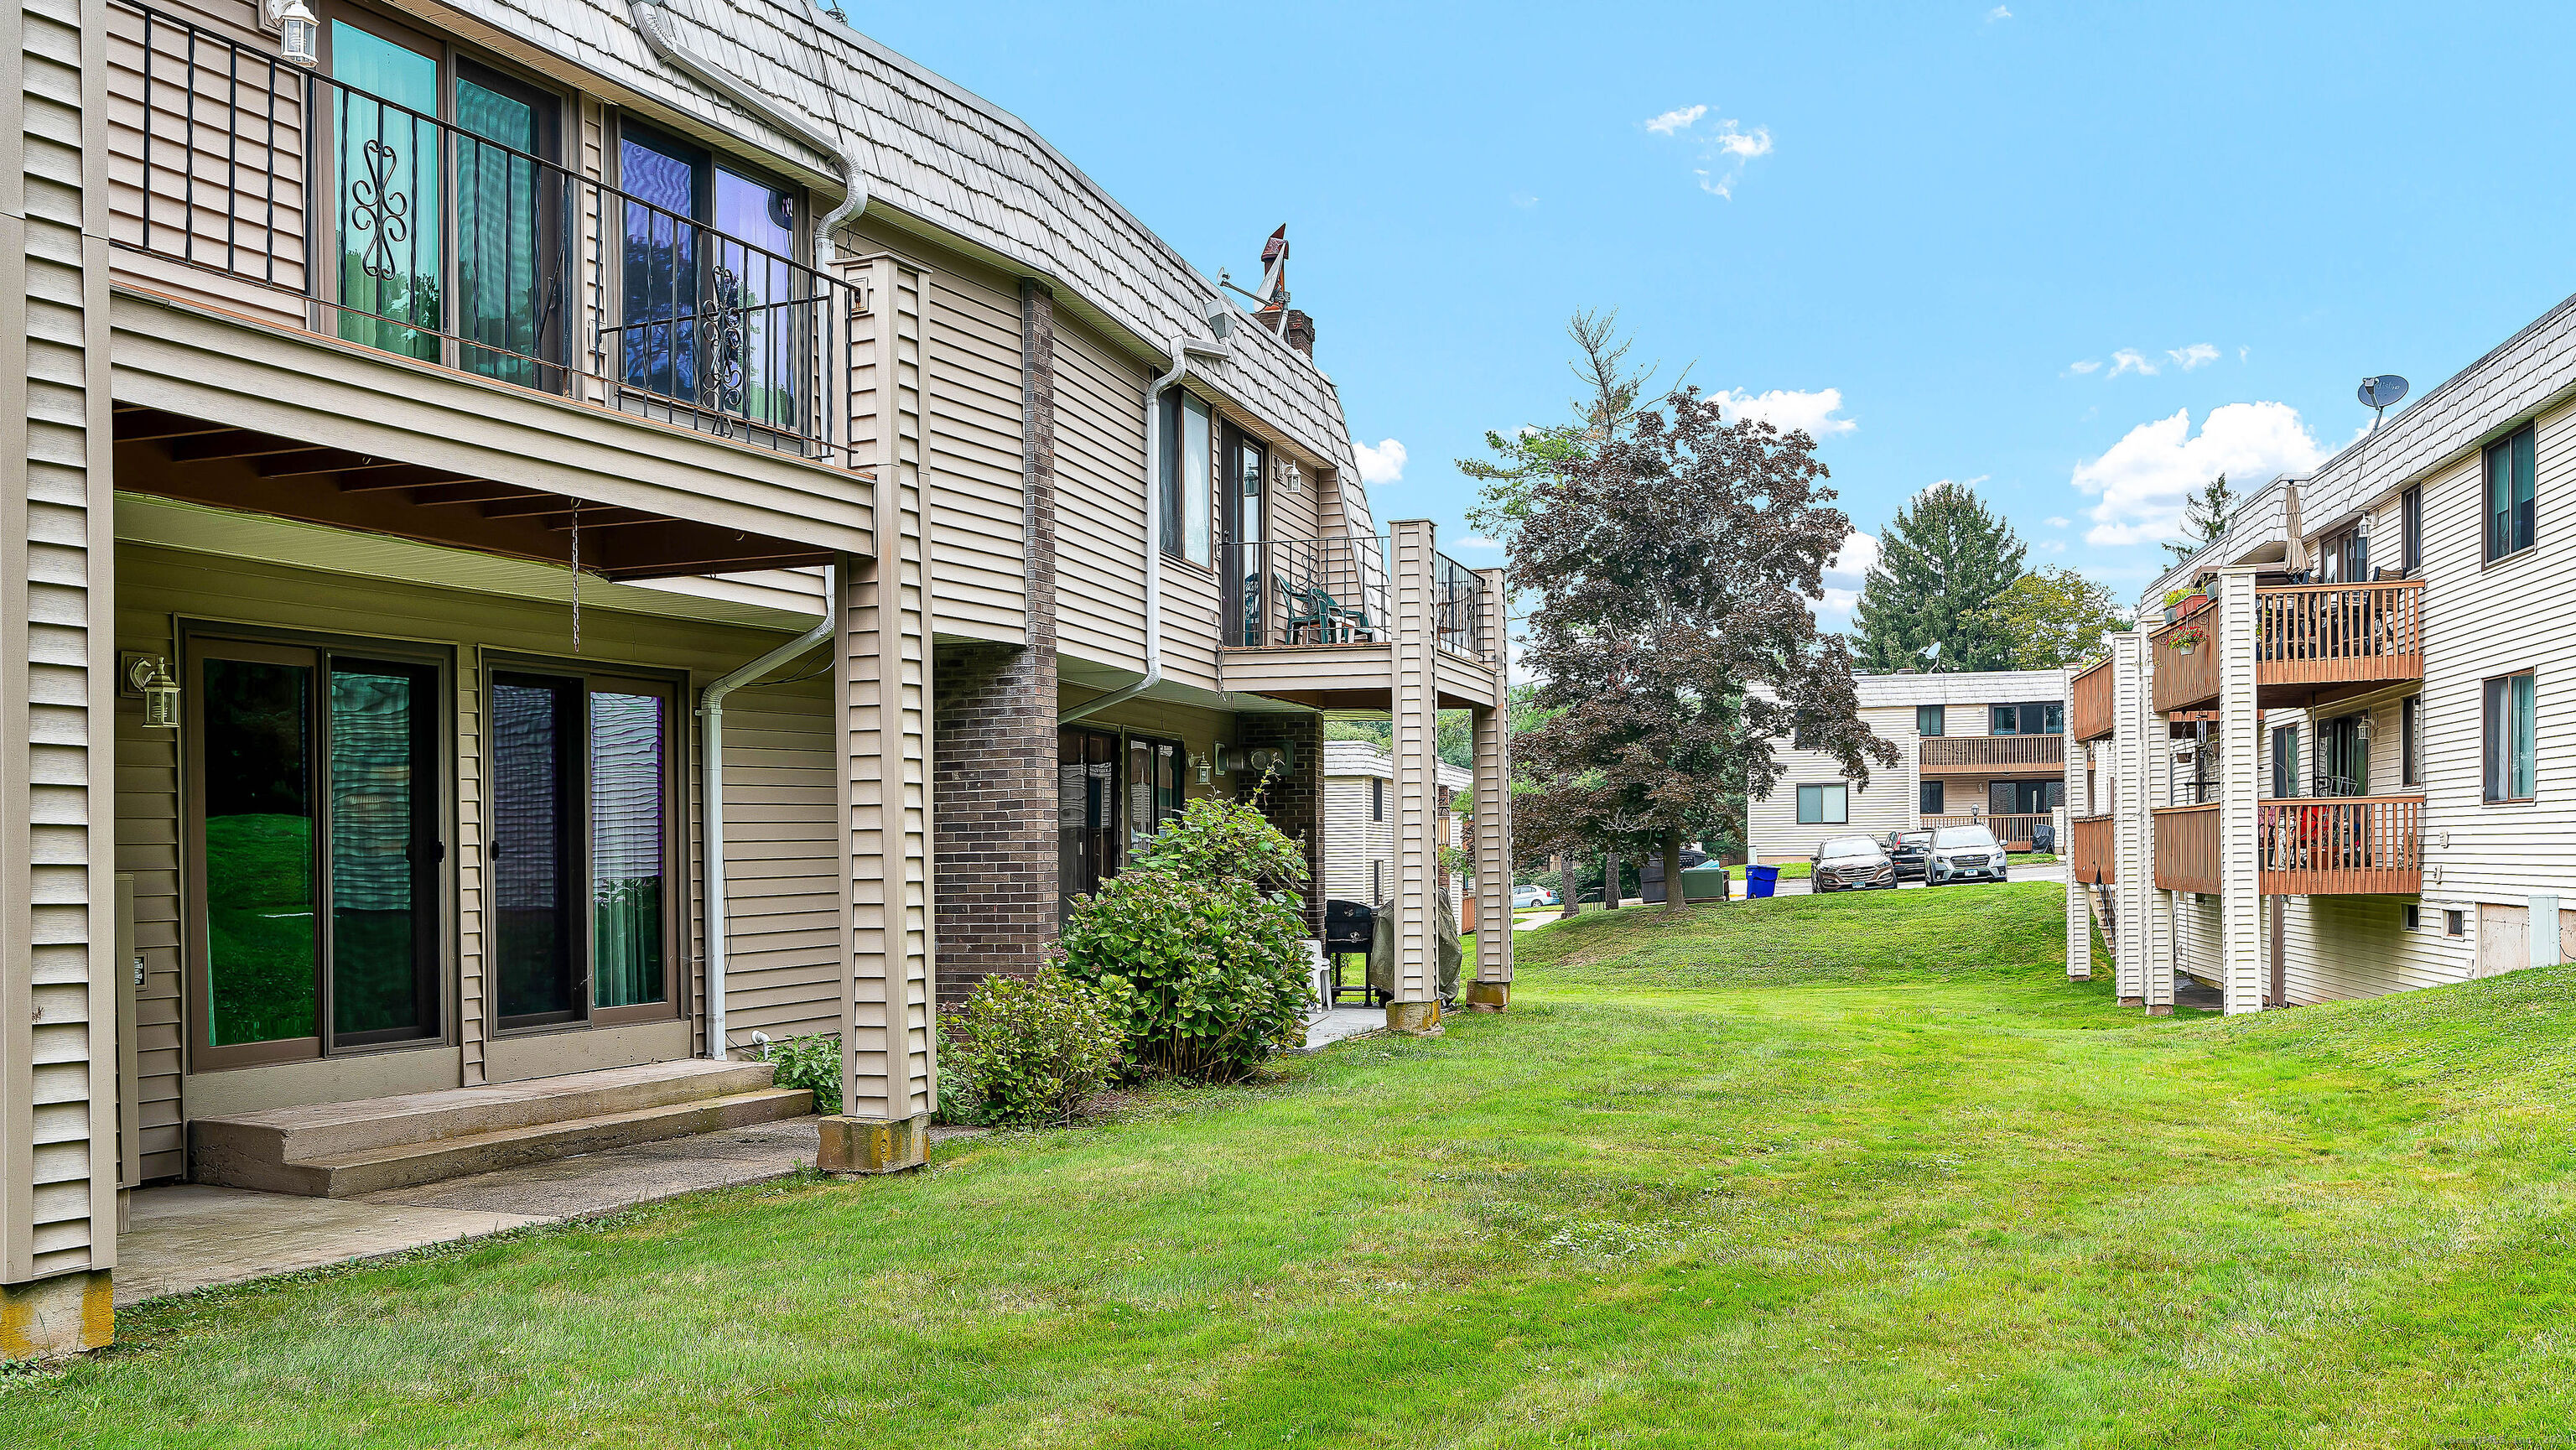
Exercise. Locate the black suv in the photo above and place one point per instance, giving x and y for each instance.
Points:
(1912, 853)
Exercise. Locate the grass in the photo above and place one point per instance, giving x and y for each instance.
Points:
(1859, 1171)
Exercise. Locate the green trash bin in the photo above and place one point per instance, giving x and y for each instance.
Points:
(1711, 882)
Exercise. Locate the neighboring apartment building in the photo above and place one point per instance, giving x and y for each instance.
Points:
(1359, 821)
(1987, 748)
(2350, 772)
(498, 476)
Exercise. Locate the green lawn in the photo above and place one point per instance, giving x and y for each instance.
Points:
(1857, 1171)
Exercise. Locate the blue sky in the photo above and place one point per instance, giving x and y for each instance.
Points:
(2085, 255)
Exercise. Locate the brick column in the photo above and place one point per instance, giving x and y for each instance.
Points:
(1294, 801)
(994, 760)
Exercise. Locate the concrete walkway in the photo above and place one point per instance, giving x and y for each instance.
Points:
(191, 1236)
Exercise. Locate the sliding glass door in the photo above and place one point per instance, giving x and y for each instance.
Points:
(316, 793)
(584, 861)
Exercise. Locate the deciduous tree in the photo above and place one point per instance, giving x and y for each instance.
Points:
(2054, 617)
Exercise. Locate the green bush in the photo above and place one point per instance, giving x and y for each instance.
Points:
(1206, 940)
(810, 1062)
(1030, 1050)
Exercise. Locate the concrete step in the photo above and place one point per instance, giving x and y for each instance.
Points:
(324, 1129)
(403, 1165)
(337, 1149)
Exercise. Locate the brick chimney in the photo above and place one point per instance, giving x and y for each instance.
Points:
(1301, 333)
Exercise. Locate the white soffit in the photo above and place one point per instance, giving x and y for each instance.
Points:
(776, 599)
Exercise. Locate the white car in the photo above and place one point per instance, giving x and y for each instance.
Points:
(1524, 897)
(1963, 853)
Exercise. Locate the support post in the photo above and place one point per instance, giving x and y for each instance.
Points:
(1491, 991)
(883, 671)
(2138, 731)
(2239, 748)
(1420, 826)
(2079, 912)
(58, 968)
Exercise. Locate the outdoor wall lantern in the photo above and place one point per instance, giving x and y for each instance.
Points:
(298, 33)
(151, 678)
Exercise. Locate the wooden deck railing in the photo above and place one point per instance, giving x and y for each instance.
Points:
(2089, 712)
(2342, 846)
(1993, 754)
(2015, 831)
(2324, 634)
(2187, 849)
(2186, 677)
(2091, 849)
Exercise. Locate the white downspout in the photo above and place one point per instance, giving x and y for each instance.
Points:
(1181, 349)
(711, 785)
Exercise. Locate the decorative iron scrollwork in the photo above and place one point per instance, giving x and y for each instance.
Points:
(721, 380)
(380, 209)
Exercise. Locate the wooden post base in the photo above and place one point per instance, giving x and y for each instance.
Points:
(1488, 996)
(1414, 1019)
(53, 1317)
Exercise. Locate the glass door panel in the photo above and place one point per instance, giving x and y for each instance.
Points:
(660, 266)
(385, 167)
(750, 342)
(629, 853)
(256, 779)
(510, 232)
(384, 791)
(536, 732)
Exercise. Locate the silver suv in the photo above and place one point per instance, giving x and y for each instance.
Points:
(1964, 853)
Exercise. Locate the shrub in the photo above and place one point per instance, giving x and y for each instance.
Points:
(1206, 941)
(1029, 1050)
(810, 1062)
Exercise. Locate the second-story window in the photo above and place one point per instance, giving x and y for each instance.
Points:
(2410, 532)
(2409, 732)
(1930, 719)
(2045, 718)
(708, 275)
(2511, 738)
(1187, 448)
(2511, 470)
(2285, 761)
(1377, 799)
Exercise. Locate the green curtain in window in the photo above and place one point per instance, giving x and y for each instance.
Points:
(385, 166)
(627, 780)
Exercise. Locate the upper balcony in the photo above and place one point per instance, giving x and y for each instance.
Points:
(2314, 643)
(408, 220)
(2092, 850)
(2090, 714)
(1317, 620)
(1993, 755)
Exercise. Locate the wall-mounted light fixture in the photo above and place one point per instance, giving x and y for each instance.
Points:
(298, 33)
(149, 677)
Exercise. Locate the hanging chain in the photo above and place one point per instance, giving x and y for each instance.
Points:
(576, 576)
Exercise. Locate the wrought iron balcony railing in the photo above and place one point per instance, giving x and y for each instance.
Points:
(1305, 592)
(377, 221)
(1458, 595)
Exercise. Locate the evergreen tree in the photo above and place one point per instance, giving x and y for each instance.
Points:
(1941, 563)
(2204, 517)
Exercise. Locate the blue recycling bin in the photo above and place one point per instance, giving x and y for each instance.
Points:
(1758, 880)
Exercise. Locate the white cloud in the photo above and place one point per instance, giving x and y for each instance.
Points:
(1788, 410)
(1725, 147)
(2143, 479)
(1382, 464)
(1998, 13)
(2051, 546)
(2130, 360)
(1847, 572)
(2059, 523)
(1524, 200)
(2199, 354)
(2085, 368)
(1478, 541)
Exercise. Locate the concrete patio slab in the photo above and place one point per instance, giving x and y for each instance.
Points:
(1340, 1024)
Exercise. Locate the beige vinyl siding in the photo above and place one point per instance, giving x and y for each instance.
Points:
(58, 1058)
(973, 465)
(1886, 804)
(1100, 471)
(2196, 935)
(780, 792)
(265, 158)
(1352, 840)
(2359, 946)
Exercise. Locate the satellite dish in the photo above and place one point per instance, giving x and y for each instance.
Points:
(2379, 394)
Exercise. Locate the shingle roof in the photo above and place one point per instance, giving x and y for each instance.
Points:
(939, 153)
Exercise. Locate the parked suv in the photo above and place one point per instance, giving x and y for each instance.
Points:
(1847, 863)
(1965, 853)
(1911, 851)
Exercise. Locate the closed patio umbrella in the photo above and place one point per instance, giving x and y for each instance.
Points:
(2295, 560)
